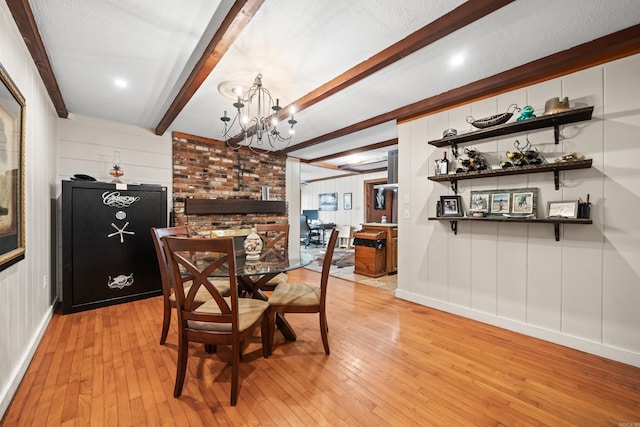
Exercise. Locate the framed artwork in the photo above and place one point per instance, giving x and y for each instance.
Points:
(451, 205)
(564, 209)
(523, 202)
(379, 201)
(12, 126)
(517, 202)
(479, 201)
(346, 200)
(500, 202)
(328, 202)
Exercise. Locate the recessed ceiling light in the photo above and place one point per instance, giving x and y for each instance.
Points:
(120, 83)
(457, 60)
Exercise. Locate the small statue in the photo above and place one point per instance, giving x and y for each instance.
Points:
(526, 113)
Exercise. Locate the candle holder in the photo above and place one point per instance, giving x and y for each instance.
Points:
(116, 170)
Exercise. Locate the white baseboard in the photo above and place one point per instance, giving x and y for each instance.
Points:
(16, 376)
(577, 343)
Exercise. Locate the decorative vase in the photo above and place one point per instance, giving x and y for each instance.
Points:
(253, 245)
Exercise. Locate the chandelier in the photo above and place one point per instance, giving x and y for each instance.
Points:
(256, 122)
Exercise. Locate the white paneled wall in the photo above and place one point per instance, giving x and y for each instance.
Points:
(583, 291)
(86, 145)
(26, 289)
(351, 184)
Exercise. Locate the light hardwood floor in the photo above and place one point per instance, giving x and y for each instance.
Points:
(392, 363)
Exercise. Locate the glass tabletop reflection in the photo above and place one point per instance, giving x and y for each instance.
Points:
(270, 263)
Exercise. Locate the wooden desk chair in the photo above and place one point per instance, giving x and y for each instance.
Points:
(303, 298)
(168, 296)
(221, 320)
(275, 240)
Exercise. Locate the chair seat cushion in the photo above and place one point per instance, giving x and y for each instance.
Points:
(279, 279)
(295, 294)
(203, 295)
(249, 310)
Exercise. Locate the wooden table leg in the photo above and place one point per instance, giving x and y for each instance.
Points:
(247, 283)
(285, 328)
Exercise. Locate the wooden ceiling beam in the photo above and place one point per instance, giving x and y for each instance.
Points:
(458, 18)
(233, 24)
(353, 151)
(605, 49)
(23, 16)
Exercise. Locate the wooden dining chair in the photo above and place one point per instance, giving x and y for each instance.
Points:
(275, 240)
(221, 320)
(168, 296)
(303, 298)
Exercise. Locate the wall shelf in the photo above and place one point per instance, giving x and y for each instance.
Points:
(551, 120)
(555, 221)
(515, 170)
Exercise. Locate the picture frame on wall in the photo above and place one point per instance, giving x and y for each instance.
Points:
(328, 202)
(451, 206)
(12, 145)
(346, 201)
(379, 201)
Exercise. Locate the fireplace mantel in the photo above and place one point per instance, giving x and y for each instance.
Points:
(233, 206)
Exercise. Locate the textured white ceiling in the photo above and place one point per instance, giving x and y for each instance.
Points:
(297, 46)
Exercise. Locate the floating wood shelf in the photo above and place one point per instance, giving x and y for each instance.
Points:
(516, 170)
(555, 221)
(233, 206)
(551, 120)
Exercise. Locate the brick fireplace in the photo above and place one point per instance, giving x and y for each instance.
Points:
(225, 185)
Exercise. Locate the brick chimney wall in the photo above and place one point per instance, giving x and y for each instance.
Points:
(208, 169)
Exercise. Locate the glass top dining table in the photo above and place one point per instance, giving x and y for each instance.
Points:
(253, 275)
(269, 264)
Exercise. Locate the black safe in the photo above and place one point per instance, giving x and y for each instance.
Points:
(108, 255)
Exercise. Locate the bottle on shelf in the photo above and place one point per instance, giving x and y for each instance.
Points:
(444, 164)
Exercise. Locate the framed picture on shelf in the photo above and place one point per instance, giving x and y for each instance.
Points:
(479, 201)
(12, 163)
(328, 202)
(523, 202)
(346, 201)
(451, 205)
(563, 209)
(500, 202)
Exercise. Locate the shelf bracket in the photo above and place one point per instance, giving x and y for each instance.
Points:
(556, 132)
(556, 178)
(454, 227)
(454, 149)
(556, 228)
(454, 186)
